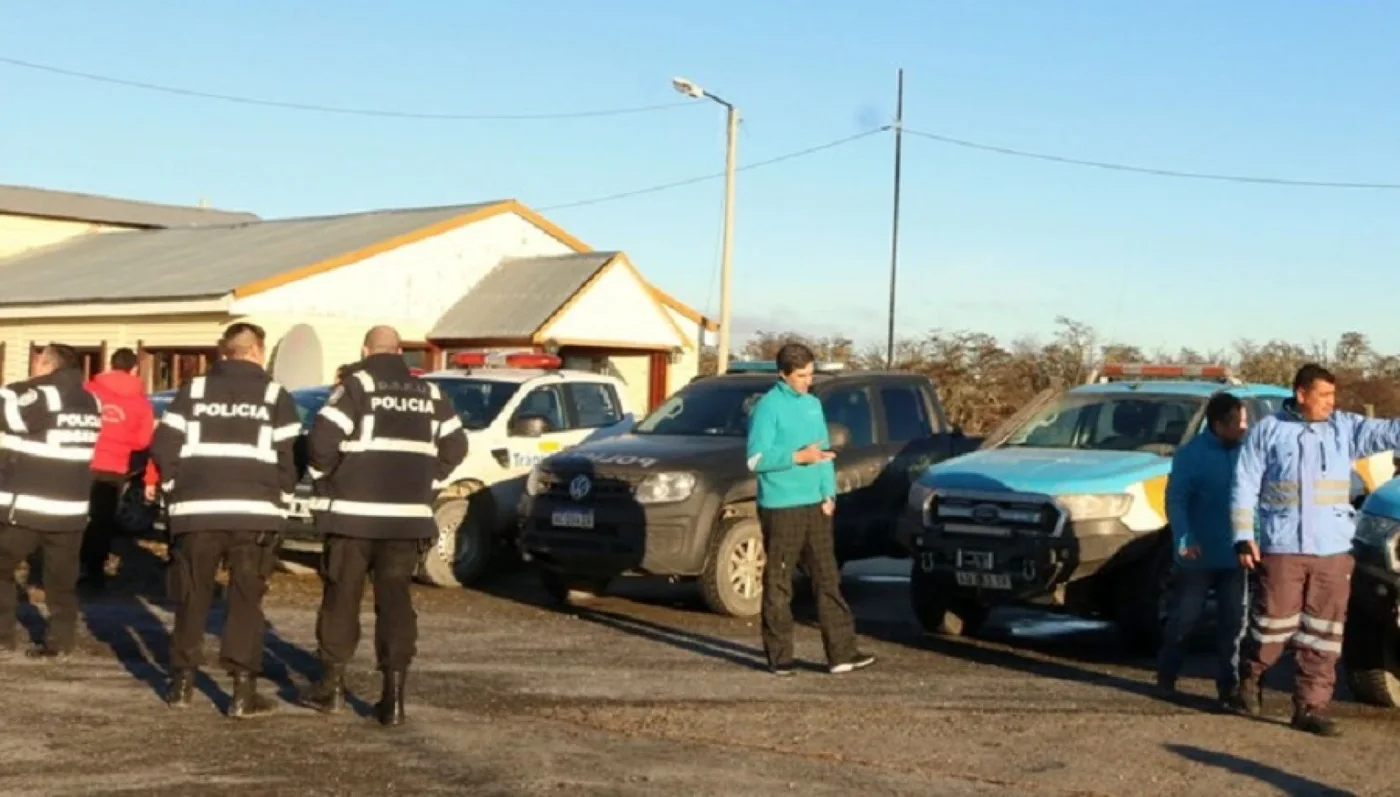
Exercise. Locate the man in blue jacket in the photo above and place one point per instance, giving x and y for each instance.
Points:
(788, 450)
(1294, 471)
(1198, 511)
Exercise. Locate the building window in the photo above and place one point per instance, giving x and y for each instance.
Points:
(91, 359)
(171, 368)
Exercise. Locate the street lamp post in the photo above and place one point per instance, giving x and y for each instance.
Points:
(690, 89)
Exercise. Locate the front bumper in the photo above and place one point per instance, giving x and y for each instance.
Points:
(1019, 566)
(616, 537)
(1375, 591)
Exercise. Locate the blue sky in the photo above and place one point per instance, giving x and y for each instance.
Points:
(989, 242)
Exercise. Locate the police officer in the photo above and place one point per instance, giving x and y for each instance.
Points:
(381, 440)
(50, 424)
(224, 453)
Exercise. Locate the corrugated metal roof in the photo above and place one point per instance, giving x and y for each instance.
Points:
(25, 201)
(518, 296)
(199, 261)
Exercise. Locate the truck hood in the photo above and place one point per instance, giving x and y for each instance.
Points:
(1385, 501)
(652, 452)
(1045, 470)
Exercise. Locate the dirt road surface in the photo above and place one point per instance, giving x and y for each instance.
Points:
(646, 694)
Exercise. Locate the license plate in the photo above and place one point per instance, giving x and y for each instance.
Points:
(984, 580)
(572, 519)
(975, 560)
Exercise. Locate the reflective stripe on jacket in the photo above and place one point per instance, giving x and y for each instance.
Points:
(1297, 475)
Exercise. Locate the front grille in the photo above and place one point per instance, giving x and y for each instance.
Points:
(604, 486)
(995, 514)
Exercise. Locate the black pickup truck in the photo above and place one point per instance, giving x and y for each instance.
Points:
(674, 497)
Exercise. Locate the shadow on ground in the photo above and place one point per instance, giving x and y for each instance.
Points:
(1271, 776)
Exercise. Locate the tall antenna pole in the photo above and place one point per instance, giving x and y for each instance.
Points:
(894, 234)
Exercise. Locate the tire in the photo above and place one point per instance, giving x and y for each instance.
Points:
(1141, 606)
(732, 582)
(463, 549)
(941, 614)
(1372, 660)
(563, 590)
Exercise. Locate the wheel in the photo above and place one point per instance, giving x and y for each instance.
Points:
(1372, 661)
(564, 589)
(463, 548)
(1141, 605)
(941, 614)
(732, 583)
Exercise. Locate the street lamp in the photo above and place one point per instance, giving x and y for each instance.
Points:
(690, 89)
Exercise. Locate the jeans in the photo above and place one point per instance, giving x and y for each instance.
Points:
(1190, 585)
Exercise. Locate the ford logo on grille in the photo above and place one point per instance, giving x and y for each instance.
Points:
(579, 487)
(985, 513)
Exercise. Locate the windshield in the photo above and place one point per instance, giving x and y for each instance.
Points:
(1110, 422)
(717, 409)
(478, 401)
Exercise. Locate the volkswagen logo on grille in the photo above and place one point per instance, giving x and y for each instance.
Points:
(580, 487)
(985, 513)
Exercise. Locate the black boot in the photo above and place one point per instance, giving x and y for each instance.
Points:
(389, 709)
(1314, 721)
(181, 691)
(1249, 698)
(246, 700)
(327, 695)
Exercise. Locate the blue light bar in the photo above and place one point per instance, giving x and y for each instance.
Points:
(771, 367)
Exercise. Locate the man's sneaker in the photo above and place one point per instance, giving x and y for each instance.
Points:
(1315, 722)
(861, 660)
(783, 670)
(46, 653)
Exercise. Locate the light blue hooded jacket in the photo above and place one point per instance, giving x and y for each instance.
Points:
(1296, 475)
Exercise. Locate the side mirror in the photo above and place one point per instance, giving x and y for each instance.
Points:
(529, 426)
(839, 436)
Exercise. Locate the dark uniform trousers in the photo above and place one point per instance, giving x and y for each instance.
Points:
(345, 561)
(251, 557)
(102, 523)
(61, 563)
(805, 534)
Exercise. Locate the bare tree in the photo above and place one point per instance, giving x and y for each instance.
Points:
(983, 381)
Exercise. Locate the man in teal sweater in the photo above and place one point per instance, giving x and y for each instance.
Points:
(1198, 509)
(788, 449)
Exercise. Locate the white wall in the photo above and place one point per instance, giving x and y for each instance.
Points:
(416, 281)
(616, 308)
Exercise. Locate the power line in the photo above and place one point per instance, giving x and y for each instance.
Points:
(300, 106)
(1121, 167)
(717, 175)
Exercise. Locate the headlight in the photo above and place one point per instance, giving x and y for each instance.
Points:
(1094, 506)
(665, 488)
(1382, 533)
(920, 501)
(534, 483)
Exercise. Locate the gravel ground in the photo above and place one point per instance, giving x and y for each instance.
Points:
(644, 693)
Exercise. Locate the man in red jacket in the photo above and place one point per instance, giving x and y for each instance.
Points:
(127, 426)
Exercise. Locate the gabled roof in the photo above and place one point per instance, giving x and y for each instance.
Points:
(213, 261)
(685, 310)
(519, 296)
(41, 202)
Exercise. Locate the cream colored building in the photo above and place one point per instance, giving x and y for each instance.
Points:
(35, 217)
(485, 276)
